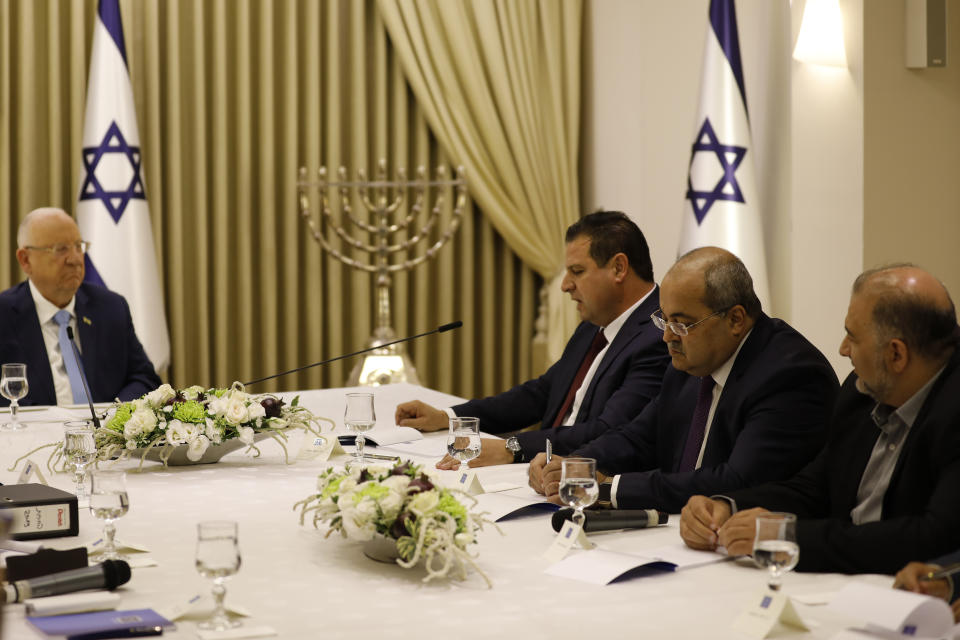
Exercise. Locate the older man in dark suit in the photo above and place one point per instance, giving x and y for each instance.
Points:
(885, 488)
(34, 316)
(609, 370)
(745, 399)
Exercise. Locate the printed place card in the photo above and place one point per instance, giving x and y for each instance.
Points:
(469, 482)
(764, 611)
(568, 536)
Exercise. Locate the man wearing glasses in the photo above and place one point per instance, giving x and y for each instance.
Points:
(744, 400)
(35, 314)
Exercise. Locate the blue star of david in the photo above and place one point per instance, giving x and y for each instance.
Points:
(115, 200)
(727, 188)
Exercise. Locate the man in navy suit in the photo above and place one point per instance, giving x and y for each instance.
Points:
(51, 252)
(744, 400)
(886, 486)
(609, 370)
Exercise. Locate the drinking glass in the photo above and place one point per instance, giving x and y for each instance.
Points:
(359, 417)
(109, 501)
(218, 557)
(775, 546)
(13, 386)
(463, 440)
(80, 449)
(578, 485)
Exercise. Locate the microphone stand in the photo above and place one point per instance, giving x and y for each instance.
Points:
(83, 377)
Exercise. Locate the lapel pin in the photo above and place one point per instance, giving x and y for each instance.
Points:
(86, 320)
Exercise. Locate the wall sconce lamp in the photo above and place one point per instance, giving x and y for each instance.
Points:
(821, 34)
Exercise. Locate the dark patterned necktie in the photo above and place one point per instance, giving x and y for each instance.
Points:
(599, 342)
(698, 426)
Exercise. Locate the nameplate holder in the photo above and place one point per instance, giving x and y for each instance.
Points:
(569, 535)
(469, 482)
(765, 610)
(30, 469)
(319, 448)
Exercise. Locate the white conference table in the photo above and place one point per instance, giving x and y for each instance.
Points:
(307, 586)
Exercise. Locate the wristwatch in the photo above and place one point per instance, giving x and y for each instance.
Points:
(513, 446)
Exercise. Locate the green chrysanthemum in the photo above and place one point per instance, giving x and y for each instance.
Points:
(373, 491)
(120, 418)
(190, 411)
(450, 505)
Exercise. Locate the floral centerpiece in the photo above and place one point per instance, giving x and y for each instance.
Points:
(198, 418)
(404, 505)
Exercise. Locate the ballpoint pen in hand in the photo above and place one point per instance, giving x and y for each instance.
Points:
(549, 451)
(940, 574)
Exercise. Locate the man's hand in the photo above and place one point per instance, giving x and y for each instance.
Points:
(738, 533)
(491, 452)
(535, 472)
(422, 416)
(550, 479)
(701, 519)
(908, 579)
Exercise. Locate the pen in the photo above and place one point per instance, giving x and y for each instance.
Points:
(549, 451)
(945, 572)
(374, 456)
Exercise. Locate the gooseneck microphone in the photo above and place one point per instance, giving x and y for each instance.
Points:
(108, 575)
(612, 519)
(444, 327)
(83, 376)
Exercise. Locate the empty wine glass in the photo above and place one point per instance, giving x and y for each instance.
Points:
(80, 449)
(775, 546)
(13, 386)
(109, 501)
(578, 485)
(463, 440)
(218, 557)
(359, 417)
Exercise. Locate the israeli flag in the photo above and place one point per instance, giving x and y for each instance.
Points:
(112, 211)
(721, 207)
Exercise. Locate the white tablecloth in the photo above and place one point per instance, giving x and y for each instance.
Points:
(307, 586)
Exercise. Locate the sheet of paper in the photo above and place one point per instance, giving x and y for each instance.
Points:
(597, 566)
(259, 631)
(427, 448)
(683, 557)
(382, 436)
(499, 505)
(909, 613)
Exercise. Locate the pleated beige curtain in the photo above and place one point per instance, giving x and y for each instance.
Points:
(232, 97)
(499, 83)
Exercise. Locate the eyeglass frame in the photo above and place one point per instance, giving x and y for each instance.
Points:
(60, 250)
(679, 328)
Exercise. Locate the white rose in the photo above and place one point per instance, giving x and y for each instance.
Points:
(236, 411)
(256, 410)
(212, 433)
(245, 434)
(176, 432)
(361, 531)
(397, 483)
(159, 396)
(191, 393)
(390, 505)
(198, 447)
(424, 502)
(142, 421)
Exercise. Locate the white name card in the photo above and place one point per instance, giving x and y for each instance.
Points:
(764, 611)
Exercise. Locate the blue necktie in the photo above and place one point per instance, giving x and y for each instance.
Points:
(62, 318)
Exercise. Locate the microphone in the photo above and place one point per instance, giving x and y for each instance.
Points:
(109, 575)
(83, 376)
(612, 519)
(444, 327)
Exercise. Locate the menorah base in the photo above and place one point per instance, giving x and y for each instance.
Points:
(383, 366)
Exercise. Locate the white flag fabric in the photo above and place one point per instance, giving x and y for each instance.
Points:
(112, 211)
(721, 207)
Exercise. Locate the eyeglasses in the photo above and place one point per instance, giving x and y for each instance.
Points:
(61, 250)
(679, 328)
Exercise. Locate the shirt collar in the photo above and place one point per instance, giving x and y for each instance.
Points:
(723, 371)
(46, 309)
(611, 330)
(909, 410)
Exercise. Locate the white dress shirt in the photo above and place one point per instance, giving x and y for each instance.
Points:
(51, 340)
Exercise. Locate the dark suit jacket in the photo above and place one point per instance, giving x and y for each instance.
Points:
(769, 422)
(921, 508)
(114, 361)
(626, 379)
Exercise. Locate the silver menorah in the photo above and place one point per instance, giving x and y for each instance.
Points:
(382, 199)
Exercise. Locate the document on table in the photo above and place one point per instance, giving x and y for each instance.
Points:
(602, 566)
(382, 436)
(885, 610)
(500, 506)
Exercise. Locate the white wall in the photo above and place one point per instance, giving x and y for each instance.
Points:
(642, 74)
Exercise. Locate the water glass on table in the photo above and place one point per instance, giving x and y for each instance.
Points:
(775, 546)
(578, 485)
(359, 417)
(13, 386)
(109, 501)
(218, 557)
(79, 447)
(463, 440)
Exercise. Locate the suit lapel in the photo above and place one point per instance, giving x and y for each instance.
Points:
(28, 334)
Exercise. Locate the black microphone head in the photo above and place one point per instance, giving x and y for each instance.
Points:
(559, 517)
(450, 325)
(70, 332)
(115, 573)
